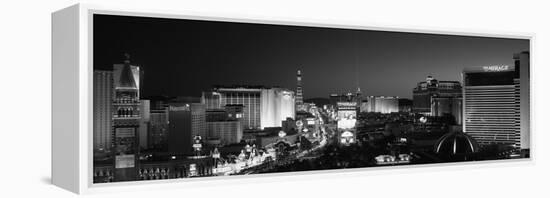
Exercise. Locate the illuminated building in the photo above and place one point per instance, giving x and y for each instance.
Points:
(522, 64)
(223, 132)
(212, 100)
(186, 120)
(234, 111)
(277, 105)
(347, 117)
(126, 120)
(380, 104)
(103, 113)
(261, 107)
(496, 103)
(424, 91)
(358, 97)
(348, 97)
(299, 91)
(247, 96)
(224, 126)
(145, 117)
(447, 106)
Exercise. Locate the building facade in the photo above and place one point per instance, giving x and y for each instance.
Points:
(158, 129)
(493, 101)
(442, 106)
(261, 107)
(522, 66)
(277, 105)
(346, 122)
(299, 91)
(186, 120)
(224, 132)
(145, 118)
(380, 104)
(424, 91)
(248, 97)
(103, 112)
(126, 120)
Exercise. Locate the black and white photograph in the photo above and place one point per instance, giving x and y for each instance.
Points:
(185, 98)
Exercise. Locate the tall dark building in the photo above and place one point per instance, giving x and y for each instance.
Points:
(126, 120)
(426, 90)
(358, 97)
(186, 120)
(158, 129)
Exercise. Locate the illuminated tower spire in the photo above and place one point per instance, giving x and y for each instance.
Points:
(299, 94)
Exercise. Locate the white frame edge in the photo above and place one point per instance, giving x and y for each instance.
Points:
(72, 92)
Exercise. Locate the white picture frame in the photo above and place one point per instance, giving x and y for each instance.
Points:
(72, 70)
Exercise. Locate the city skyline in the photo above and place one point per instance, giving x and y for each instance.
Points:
(186, 57)
(244, 88)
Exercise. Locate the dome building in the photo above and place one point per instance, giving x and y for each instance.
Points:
(456, 146)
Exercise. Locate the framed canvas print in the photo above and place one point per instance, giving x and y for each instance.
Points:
(152, 97)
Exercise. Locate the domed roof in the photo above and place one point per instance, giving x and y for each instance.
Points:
(456, 143)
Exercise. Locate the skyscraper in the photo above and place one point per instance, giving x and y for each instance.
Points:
(186, 120)
(126, 120)
(145, 118)
(158, 129)
(522, 64)
(496, 107)
(299, 93)
(358, 97)
(103, 113)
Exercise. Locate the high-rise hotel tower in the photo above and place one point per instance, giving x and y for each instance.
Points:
(126, 120)
(299, 93)
(496, 103)
(103, 113)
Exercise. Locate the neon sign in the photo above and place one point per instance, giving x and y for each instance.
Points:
(496, 68)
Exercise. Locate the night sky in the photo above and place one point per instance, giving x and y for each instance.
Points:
(186, 57)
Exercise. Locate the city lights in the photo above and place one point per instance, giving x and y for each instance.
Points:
(212, 111)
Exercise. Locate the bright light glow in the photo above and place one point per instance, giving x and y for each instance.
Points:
(282, 134)
(496, 68)
(423, 119)
(347, 134)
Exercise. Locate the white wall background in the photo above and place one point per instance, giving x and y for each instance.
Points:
(25, 97)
